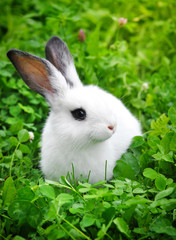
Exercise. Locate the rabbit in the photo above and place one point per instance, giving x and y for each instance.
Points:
(86, 126)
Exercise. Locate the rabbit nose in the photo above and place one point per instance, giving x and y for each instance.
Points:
(111, 127)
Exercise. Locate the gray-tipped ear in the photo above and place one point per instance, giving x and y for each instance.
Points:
(59, 55)
(36, 72)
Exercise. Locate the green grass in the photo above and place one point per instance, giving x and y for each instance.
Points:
(137, 64)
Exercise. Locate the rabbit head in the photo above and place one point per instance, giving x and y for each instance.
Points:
(81, 114)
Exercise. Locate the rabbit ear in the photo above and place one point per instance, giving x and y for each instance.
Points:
(59, 55)
(39, 74)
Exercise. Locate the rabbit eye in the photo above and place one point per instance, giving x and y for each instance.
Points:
(79, 114)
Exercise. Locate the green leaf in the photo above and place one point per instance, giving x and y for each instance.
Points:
(165, 157)
(109, 214)
(137, 200)
(65, 198)
(122, 169)
(14, 110)
(56, 234)
(139, 191)
(149, 100)
(13, 141)
(132, 161)
(24, 209)
(5, 73)
(53, 210)
(87, 221)
(24, 148)
(9, 191)
(63, 180)
(84, 190)
(141, 231)
(165, 142)
(23, 135)
(150, 173)
(34, 216)
(26, 193)
(163, 225)
(164, 193)
(16, 127)
(93, 42)
(77, 208)
(137, 141)
(172, 115)
(27, 109)
(11, 100)
(160, 125)
(99, 183)
(19, 209)
(18, 238)
(173, 143)
(169, 205)
(19, 154)
(47, 191)
(122, 226)
(2, 133)
(118, 192)
(160, 182)
(164, 203)
(138, 103)
(153, 142)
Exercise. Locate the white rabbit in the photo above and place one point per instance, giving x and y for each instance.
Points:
(86, 125)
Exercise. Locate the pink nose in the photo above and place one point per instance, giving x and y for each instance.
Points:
(111, 127)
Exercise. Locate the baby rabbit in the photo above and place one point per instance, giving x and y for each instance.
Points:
(86, 125)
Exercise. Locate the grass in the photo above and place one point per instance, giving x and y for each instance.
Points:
(136, 63)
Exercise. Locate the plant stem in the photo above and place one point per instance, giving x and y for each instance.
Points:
(12, 159)
(3, 237)
(71, 225)
(65, 230)
(106, 166)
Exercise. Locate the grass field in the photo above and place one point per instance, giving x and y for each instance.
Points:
(136, 62)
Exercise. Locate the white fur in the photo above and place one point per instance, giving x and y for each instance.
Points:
(89, 143)
(71, 73)
(86, 144)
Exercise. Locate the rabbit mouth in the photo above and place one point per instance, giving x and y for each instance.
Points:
(103, 136)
